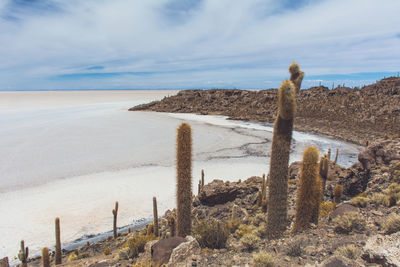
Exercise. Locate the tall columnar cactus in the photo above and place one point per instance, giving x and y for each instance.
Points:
(23, 254)
(202, 179)
(329, 154)
(115, 213)
(323, 172)
(45, 257)
(155, 215)
(58, 255)
(184, 180)
(308, 195)
(172, 225)
(336, 156)
(337, 193)
(296, 75)
(278, 179)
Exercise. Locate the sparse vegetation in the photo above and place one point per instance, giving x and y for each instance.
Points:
(392, 224)
(295, 249)
(211, 233)
(136, 244)
(349, 251)
(360, 201)
(263, 259)
(250, 241)
(348, 222)
(326, 208)
(244, 229)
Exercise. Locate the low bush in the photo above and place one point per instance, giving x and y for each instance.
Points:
(295, 249)
(392, 224)
(250, 241)
(263, 259)
(211, 233)
(326, 208)
(348, 222)
(136, 244)
(360, 201)
(349, 251)
(244, 229)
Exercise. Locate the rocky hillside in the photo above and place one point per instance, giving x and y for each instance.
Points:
(361, 229)
(354, 115)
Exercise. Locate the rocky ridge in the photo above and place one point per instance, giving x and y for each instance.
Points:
(351, 114)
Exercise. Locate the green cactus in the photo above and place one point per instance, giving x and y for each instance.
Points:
(45, 257)
(278, 178)
(336, 156)
(23, 254)
(308, 195)
(323, 172)
(184, 180)
(296, 75)
(115, 213)
(337, 193)
(155, 215)
(58, 255)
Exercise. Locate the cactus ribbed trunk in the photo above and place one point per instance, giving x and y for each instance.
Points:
(308, 195)
(323, 172)
(184, 180)
(278, 180)
(155, 215)
(58, 254)
(336, 157)
(23, 254)
(45, 257)
(115, 214)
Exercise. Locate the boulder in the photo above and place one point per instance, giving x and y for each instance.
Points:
(383, 250)
(161, 250)
(184, 253)
(220, 192)
(342, 209)
(4, 262)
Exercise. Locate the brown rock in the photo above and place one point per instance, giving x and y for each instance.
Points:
(342, 209)
(185, 252)
(4, 262)
(161, 250)
(383, 250)
(339, 261)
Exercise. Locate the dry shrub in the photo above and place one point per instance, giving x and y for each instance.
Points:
(349, 251)
(392, 224)
(295, 249)
(377, 198)
(136, 244)
(263, 259)
(244, 229)
(326, 208)
(348, 222)
(211, 233)
(250, 241)
(360, 201)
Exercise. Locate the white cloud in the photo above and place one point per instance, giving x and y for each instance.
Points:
(243, 43)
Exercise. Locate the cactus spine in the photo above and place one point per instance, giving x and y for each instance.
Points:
(308, 196)
(184, 180)
(296, 75)
(23, 254)
(155, 215)
(115, 213)
(58, 254)
(278, 180)
(337, 193)
(323, 172)
(336, 156)
(45, 257)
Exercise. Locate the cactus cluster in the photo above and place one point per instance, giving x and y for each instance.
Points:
(282, 137)
(23, 254)
(184, 180)
(309, 193)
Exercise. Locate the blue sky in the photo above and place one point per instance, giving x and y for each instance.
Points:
(167, 44)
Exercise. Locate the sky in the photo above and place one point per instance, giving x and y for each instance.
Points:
(178, 44)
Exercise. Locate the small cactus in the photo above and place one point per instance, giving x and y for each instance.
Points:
(115, 213)
(337, 193)
(23, 254)
(308, 196)
(336, 156)
(172, 226)
(296, 75)
(202, 179)
(58, 255)
(329, 154)
(184, 180)
(234, 212)
(323, 172)
(45, 257)
(155, 215)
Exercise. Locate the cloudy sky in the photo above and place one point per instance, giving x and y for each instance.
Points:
(160, 44)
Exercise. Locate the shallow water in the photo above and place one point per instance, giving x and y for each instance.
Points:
(73, 155)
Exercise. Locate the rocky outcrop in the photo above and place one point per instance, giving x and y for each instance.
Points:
(383, 250)
(161, 250)
(338, 261)
(185, 253)
(355, 114)
(4, 262)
